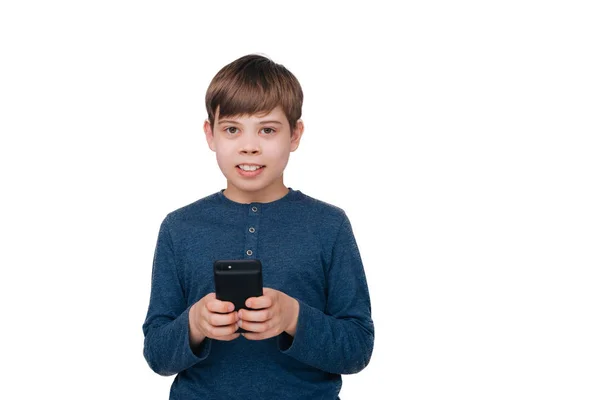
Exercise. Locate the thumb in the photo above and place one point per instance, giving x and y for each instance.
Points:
(267, 290)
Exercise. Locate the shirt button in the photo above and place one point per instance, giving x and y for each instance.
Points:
(249, 252)
(251, 230)
(254, 209)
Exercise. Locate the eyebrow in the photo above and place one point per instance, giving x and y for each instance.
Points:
(228, 121)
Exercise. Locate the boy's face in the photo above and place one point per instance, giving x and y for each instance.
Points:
(258, 139)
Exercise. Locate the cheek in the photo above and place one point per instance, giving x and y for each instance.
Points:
(225, 152)
(223, 159)
(278, 150)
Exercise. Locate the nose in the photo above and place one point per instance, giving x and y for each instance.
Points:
(250, 151)
(250, 145)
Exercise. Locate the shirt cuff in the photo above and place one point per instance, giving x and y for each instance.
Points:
(202, 350)
(300, 343)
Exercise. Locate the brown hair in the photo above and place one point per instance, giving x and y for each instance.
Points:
(254, 84)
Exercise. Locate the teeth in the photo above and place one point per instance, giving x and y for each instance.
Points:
(249, 167)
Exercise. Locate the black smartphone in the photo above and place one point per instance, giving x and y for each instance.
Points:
(237, 280)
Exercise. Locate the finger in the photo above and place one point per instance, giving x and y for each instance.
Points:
(219, 332)
(255, 316)
(267, 291)
(219, 306)
(217, 319)
(229, 337)
(253, 336)
(256, 327)
(259, 302)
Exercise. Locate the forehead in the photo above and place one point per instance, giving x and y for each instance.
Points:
(275, 114)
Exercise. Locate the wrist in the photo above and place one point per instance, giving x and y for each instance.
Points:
(196, 336)
(295, 311)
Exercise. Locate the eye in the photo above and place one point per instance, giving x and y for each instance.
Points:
(229, 129)
(268, 130)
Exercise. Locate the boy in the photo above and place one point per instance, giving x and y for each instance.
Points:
(313, 322)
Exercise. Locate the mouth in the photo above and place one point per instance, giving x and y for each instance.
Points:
(249, 173)
(252, 165)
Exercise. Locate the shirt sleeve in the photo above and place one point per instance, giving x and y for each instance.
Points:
(166, 331)
(339, 340)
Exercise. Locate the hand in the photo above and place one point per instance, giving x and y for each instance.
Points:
(271, 314)
(212, 318)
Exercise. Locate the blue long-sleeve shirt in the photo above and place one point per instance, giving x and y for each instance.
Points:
(308, 251)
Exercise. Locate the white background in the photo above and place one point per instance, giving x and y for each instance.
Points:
(461, 138)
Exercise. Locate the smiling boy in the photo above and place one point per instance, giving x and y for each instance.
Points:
(313, 322)
(263, 141)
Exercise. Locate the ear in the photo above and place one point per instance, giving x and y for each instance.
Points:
(297, 135)
(210, 138)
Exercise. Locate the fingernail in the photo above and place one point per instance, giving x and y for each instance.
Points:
(239, 322)
(231, 307)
